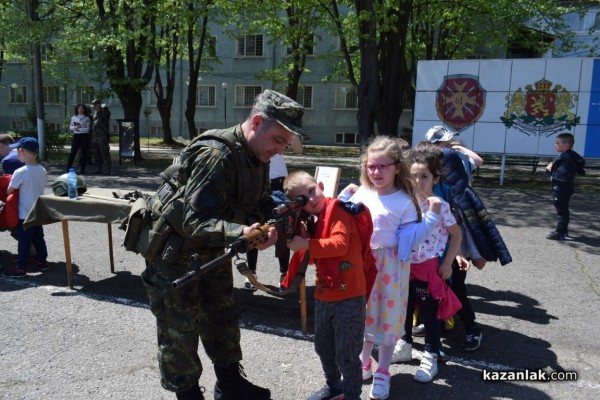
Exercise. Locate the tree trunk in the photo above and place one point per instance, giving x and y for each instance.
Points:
(368, 91)
(131, 101)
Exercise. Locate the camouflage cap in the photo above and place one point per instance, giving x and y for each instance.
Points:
(283, 109)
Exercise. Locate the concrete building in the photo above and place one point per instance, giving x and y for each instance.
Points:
(224, 95)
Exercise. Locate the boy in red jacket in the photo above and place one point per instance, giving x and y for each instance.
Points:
(336, 249)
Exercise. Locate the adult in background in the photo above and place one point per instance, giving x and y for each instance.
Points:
(80, 126)
(10, 158)
(226, 196)
(100, 137)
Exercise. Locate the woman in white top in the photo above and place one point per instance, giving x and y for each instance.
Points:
(80, 125)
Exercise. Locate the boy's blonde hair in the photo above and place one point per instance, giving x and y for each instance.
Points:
(295, 179)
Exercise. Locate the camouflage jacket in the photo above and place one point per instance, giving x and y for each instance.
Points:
(214, 209)
(101, 122)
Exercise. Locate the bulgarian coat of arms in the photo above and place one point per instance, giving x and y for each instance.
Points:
(460, 101)
(542, 110)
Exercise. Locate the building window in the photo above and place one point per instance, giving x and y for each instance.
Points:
(345, 97)
(51, 94)
(588, 21)
(156, 131)
(250, 46)
(305, 96)
(245, 95)
(84, 94)
(346, 138)
(19, 125)
(53, 127)
(46, 51)
(210, 47)
(18, 94)
(205, 96)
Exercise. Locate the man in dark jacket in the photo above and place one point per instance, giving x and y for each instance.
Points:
(562, 175)
(101, 137)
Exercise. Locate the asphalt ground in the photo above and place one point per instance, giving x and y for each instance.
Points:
(98, 341)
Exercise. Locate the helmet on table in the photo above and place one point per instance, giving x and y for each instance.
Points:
(60, 187)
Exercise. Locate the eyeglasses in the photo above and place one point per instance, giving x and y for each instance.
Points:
(380, 167)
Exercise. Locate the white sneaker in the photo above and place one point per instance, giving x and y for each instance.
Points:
(428, 368)
(248, 285)
(367, 372)
(402, 352)
(380, 389)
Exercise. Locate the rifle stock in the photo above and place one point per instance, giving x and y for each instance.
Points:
(246, 242)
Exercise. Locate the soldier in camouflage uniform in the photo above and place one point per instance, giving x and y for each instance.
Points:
(100, 137)
(215, 215)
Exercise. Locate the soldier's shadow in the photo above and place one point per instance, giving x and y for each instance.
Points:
(279, 315)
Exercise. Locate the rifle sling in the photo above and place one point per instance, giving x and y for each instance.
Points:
(300, 274)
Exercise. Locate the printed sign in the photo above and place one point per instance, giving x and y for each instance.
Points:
(511, 106)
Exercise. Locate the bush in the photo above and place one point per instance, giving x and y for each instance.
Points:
(55, 141)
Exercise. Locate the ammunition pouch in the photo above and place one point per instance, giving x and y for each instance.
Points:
(134, 224)
(144, 235)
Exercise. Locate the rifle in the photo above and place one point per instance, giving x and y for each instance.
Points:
(289, 210)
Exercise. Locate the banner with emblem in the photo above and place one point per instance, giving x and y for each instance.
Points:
(511, 106)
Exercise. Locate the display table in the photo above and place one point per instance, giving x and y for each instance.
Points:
(96, 205)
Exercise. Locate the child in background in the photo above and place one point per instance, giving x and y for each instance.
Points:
(336, 249)
(30, 179)
(427, 273)
(388, 191)
(562, 172)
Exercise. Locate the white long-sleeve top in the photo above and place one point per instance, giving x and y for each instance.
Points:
(84, 124)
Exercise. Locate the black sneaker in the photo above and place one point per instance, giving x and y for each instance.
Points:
(43, 266)
(473, 339)
(328, 393)
(556, 236)
(419, 330)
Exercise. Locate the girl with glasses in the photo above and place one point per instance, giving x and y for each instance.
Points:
(388, 191)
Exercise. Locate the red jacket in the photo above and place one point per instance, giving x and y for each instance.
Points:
(9, 217)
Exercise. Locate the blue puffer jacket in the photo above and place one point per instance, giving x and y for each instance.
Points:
(474, 215)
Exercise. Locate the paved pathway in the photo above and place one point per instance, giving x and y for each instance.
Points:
(98, 341)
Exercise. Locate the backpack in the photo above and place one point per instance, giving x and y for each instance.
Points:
(364, 223)
(155, 224)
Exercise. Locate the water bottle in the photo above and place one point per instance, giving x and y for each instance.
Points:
(72, 183)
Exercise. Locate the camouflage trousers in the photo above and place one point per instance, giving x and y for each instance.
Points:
(204, 309)
(101, 153)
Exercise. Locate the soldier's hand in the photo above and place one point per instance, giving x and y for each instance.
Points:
(271, 235)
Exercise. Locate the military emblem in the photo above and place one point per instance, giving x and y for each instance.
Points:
(460, 101)
(540, 110)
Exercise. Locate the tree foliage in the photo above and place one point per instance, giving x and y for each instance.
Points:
(131, 45)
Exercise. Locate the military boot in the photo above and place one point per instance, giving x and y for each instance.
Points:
(232, 385)
(194, 393)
